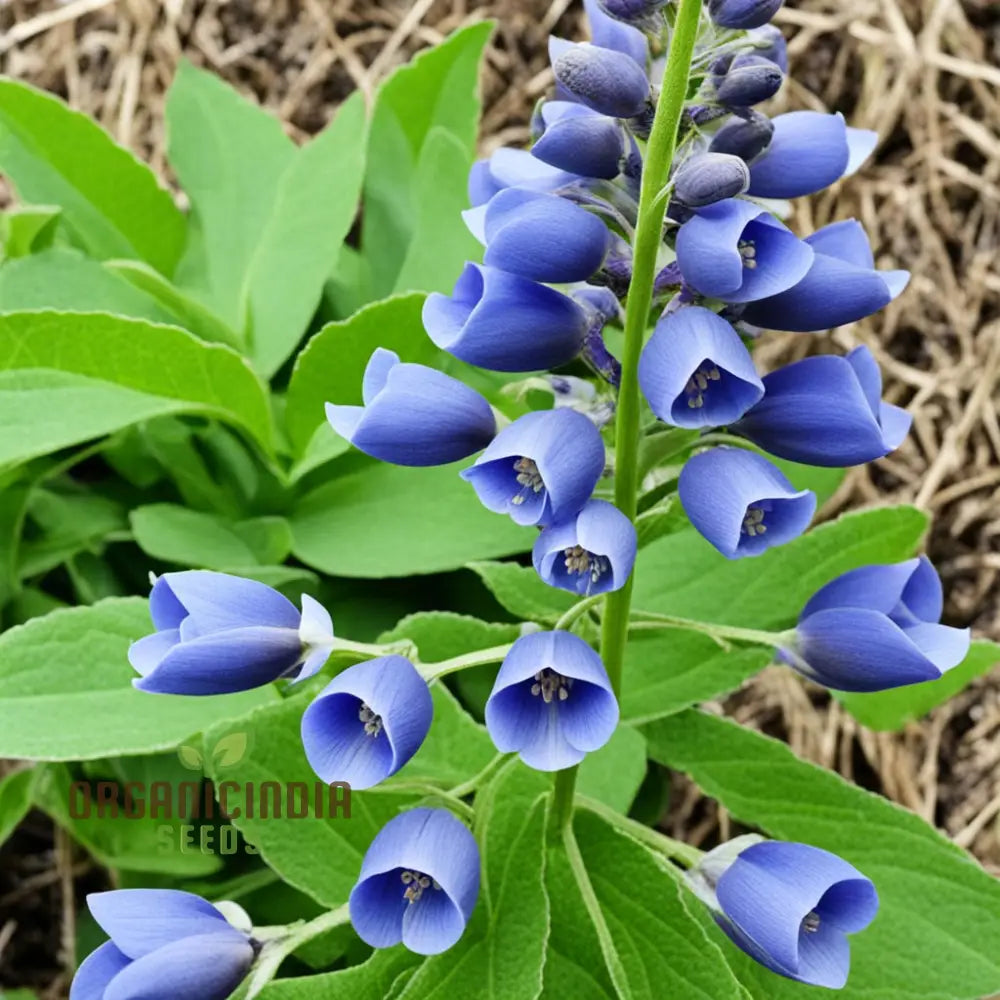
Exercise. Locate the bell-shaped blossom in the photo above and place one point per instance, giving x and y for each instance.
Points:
(413, 415)
(706, 178)
(367, 722)
(789, 906)
(541, 468)
(877, 627)
(418, 884)
(575, 138)
(513, 168)
(603, 79)
(695, 371)
(808, 152)
(741, 503)
(217, 633)
(610, 30)
(826, 411)
(742, 13)
(590, 553)
(746, 138)
(165, 945)
(552, 702)
(840, 287)
(540, 236)
(504, 322)
(749, 79)
(736, 252)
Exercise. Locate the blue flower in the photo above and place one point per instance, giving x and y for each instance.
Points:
(418, 884)
(165, 945)
(808, 152)
(413, 415)
(612, 33)
(608, 81)
(842, 285)
(742, 13)
(826, 411)
(541, 468)
(646, 14)
(540, 236)
(574, 138)
(695, 372)
(745, 137)
(513, 168)
(789, 906)
(875, 628)
(552, 702)
(706, 178)
(736, 252)
(748, 79)
(367, 722)
(217, 633)
(591, 553)
(741, 503)
(504, 322)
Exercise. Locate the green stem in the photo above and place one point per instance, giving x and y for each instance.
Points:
(675, 850)
(432, 671)
(651, 620)
(563, 793)
(429, 790)
(578, 609)
(468, 787)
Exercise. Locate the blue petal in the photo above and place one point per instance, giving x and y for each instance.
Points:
(220, 601)
(681, 343)
(561, 651)
(145, 654)
(518, 168)
(521, 722)
(923, 594)
(165, 609)
(782, 260)
(223, 662)
(377, 906)
(808, 152)
(588, 716)
(209, 967)
(610, 33)
(896, 424)
(482, 186)
(824, 957)
(877, 588)
(707, 251)
(376, 376)
(944, 646)
(96, 971)
(580, 140)
(847, 241)
(432, 924)
(496, 486)
(861, 143)
(337, 746)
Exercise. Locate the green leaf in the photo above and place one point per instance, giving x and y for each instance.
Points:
(27, 229)
(613, 774)
(331, 366)
(315, 204)
(111, 203)
(937, 935)
(441, 635)
(893, 709)
(522, 592)
(386, 520)
(192, 538)
(823, 482)
(16, 794)
(67, 377)
(66, 689)
(439, 88)
(372, 980)
(683, 575)
(14, 499)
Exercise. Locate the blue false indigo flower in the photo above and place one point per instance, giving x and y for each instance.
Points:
(749, 79)
(541, 236)
(577, 139)
(367, 722)
(808, 152)
(826, 411)
(737, 252)
(607, 81)
(591, 553)
(165, 945)
(513, 168)
(504, 322)
(769, 42)
(746, 138)
(741, 503)
(789, 906)
(742, 13)
(695, 372)
(541, 468)
(217, 633)
(841, 286)
(644, 14)
(552, 702)
(611, 32)
(413, 415)
(706, 178)
(875, 628)
(418, 884)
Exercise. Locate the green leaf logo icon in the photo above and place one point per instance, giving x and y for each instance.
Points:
(230, 750)
(190, 757)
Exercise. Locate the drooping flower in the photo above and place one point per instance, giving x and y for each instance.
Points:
(877, 627)
(418, 883)
(603, 79)
(217, 633)
(513, 168)
(578, 139)
(789, 906)
(809, 150)
(706, 178)
(741, 503)
(367, 722)
(165, 945)
(504, 322)
(413, 415)
(590, 553)
(826, 411)
(552, 702)
(695, 372)
(540, 469)
(736, 252)
(841, 286)
(742, 13)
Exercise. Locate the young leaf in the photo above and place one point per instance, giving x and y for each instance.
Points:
(27, 229)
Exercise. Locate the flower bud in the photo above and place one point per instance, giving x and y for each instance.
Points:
(769, 42)
(607, 81)
(710, 177)
(746, 137)
(642, 13)
(742, 13)
(579, 140)
(748, 80)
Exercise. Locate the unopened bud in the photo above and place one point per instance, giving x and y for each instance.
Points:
(742, 13)
(607, 81)
(710, 177)
(769, 42)
(749, 80)
(641, 13)
(746, 137)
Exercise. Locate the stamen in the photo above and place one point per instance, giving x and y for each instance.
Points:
(579, 560)
(373, 722)
(753, 522)
(698, 383)
(810, 922)
(748, 251)
(416, 883)
(551, 685)
(528, 478)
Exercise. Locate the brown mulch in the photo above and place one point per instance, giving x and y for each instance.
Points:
(924, 73)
